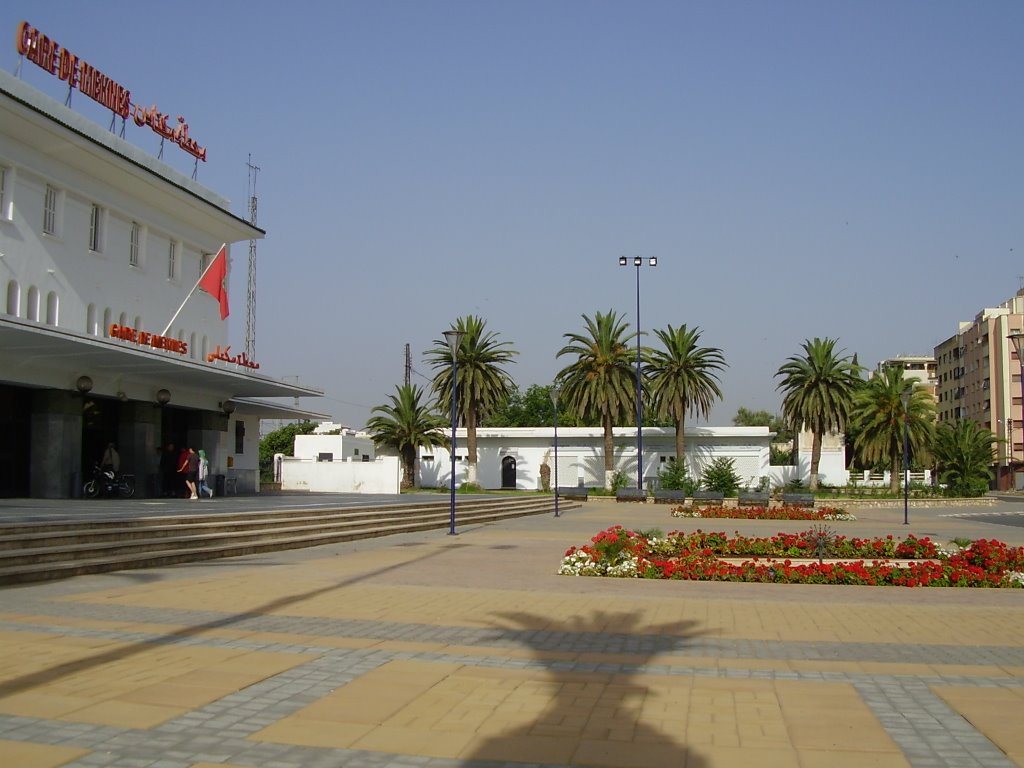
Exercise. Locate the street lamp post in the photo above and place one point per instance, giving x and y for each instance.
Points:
(905, 396)
(554, 408)
(1018, 346)
(638, 262)
(454, 339)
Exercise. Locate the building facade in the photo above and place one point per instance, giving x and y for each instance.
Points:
(978, 378)
(100, 244)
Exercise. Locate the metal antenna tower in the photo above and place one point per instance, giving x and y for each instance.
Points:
(250, 296)
(408, 366)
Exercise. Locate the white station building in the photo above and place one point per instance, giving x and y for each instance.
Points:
(99, 245)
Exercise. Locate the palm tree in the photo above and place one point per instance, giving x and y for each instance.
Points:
(877, 418)
(601, 382)
(817, 387)
(964, 456)
(405, 425)
(483, 383)
(682, 378)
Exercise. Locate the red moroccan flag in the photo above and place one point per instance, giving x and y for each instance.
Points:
(215, 280)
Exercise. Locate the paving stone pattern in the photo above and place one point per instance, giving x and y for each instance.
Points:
(894, 679)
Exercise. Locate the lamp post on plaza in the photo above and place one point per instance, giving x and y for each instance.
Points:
(638, 262)
(1017, 338)
(554, 408)
(905, 396)
(454, 339)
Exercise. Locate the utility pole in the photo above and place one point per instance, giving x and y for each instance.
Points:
(250, 296)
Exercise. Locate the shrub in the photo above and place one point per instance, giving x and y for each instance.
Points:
(674, 477)
(720, 475)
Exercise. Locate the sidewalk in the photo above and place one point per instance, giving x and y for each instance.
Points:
(439, 651)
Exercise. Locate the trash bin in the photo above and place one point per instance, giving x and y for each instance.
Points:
(218, 485)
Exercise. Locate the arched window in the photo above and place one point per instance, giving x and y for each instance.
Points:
(108, 318)
(206, 348)
(90, 321)
(52, 308)
(123, 319)
(33, 303)
(13, 298)
(192, 345)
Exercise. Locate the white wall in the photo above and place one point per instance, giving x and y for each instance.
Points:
(581, 454)
(380, 476)
(348, 446)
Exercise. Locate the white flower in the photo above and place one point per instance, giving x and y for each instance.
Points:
(1016, 578)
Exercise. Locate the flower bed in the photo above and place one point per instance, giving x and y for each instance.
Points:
(840, 560)
(764, 513)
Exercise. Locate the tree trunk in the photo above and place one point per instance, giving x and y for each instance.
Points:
(680, 440)
(812, 481)
(408, 468)
(894, 474)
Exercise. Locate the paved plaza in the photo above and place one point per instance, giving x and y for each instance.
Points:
(439, 651)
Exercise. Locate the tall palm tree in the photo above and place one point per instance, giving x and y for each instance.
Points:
(483, 383)
(405, 425)
(817, 388)
(964, 457)
(877, 417)
(601, 382)
(682, 378)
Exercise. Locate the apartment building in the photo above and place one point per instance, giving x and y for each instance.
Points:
(978, 378)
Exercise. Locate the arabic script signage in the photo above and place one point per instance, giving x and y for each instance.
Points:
(47, 54)
(224, 354)
(145, 339)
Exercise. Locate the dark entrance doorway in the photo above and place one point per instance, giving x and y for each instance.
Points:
(15, 447)
(508, 472)
(100, 418)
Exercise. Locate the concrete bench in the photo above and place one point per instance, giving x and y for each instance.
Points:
(631, 494)
(666, 496)
(706, 498)
(752, 499)
(798, 500)
(573, 492)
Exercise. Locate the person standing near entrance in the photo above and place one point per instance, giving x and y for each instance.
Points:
(204, 472)
(189, 467)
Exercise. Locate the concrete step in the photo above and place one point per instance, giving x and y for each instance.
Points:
(182, 539)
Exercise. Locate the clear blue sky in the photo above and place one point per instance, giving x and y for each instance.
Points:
(844, 169)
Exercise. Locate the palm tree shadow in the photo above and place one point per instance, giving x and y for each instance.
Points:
(592, 713)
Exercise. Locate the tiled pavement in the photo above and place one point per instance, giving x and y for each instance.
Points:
(430, 650)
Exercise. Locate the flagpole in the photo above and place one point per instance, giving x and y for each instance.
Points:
(189, 296)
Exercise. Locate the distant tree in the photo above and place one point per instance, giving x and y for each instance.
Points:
(405, 425)
(963, 457)
(281, 440)
(878, 419)
(747, 418)
(483, 382)
(531, 409)
(601, 382)
(682, 378)
(817, 389)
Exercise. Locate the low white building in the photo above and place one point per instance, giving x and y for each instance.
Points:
(511, 457)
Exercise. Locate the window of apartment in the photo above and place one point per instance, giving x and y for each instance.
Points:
(172, 260)
(133, 245)
(239, 437)
(96, 229)
(50, 211)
